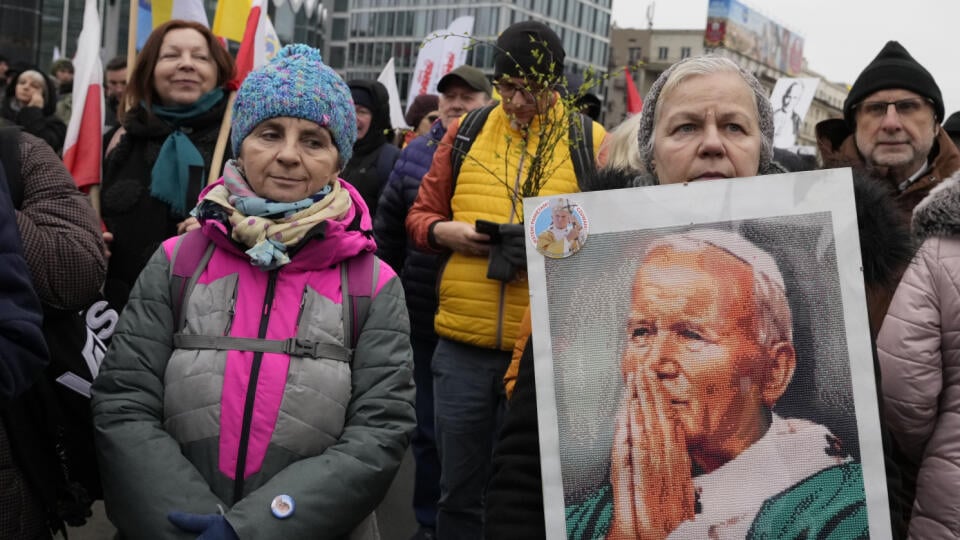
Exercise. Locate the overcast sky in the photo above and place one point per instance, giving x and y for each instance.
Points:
(840, 36)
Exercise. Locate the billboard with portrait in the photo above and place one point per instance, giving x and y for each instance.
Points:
(734, 25)
(704, 365)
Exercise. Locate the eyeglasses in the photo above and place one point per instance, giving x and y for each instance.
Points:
(508, 89)
(906, 108)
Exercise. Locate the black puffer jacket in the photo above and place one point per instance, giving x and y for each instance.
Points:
(418, 270)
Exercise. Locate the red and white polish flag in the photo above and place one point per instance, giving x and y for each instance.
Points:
(83, 147)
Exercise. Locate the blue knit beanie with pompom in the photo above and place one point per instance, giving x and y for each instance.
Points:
(296, 83)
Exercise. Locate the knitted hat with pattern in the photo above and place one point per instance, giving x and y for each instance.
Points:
(296, 84)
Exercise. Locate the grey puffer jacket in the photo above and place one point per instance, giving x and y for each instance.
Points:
(188, 428)
(919, 354)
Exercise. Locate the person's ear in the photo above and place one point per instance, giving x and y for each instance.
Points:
(782, 362)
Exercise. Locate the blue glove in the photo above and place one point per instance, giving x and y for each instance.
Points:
(209, 526)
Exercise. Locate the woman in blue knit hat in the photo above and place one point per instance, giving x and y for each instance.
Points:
(260, 382)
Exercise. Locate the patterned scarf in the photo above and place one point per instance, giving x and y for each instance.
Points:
(269, 228)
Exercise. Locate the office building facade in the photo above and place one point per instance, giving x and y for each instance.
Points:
(365, 34)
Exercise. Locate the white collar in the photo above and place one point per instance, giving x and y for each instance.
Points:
(730, 497)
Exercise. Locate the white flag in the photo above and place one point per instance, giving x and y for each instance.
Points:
(442, 51)
(388, 78)
(455, 44)
(190, 10)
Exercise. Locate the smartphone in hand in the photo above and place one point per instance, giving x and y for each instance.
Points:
(490, 229)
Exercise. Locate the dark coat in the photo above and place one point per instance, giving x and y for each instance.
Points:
(373, 155)
(24, 355)
(62, 240)
(838, 148)
(138, 221)
(418, 270)
(42, 123)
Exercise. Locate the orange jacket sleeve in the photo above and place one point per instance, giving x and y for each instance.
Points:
(510, 378)
(433, 200)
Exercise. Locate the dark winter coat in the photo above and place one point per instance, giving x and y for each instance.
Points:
(374, 154)
(24, 354)
(62, 240)
(138, 221)
(418, 270)
(41, 122)
(839, 151)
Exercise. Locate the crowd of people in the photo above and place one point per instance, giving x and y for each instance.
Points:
(344, 290)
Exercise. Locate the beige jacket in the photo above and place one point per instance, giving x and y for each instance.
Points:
(919, 354)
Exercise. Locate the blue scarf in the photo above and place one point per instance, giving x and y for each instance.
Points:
(170, 175)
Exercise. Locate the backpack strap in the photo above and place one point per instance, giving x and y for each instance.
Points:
(358, 280)
(292, 346)
(466, 133)
(190, 256)
(581, 146)
(10, 157)
(581, 142)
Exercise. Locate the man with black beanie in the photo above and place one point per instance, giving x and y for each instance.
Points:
(482, 293)
(893, 114)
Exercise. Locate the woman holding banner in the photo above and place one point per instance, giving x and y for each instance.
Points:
(157, 164)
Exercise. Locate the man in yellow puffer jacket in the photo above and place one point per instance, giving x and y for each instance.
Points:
(478, 317)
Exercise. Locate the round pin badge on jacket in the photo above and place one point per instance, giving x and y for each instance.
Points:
(282, 506)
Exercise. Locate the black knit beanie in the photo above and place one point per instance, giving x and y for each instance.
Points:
(893, 68)
(515, 56)
(363, 97)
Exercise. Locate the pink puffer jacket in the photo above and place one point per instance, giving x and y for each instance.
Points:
(919, 352)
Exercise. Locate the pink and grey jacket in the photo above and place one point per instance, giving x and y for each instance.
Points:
(197, 430)
(919, 352)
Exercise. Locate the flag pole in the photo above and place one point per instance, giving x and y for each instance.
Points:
(221, 146)
(132, 37)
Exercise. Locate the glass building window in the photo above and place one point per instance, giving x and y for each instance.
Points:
(338, 30)
(684, 52)
(663, 53)
(337, 57)
(341, 6)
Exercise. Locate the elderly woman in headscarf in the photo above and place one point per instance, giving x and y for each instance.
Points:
(256, 391)
(704, 118)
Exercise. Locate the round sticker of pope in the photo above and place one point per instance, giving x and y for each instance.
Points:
(560, 227)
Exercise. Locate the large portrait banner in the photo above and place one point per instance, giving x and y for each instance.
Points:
(703, 362)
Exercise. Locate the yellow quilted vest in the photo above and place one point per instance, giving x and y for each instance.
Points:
(473, 309)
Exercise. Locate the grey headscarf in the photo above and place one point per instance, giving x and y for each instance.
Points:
(764, 113)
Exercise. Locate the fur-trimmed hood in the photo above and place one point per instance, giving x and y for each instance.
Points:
(938, 214)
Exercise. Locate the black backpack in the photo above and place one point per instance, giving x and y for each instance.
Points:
(51, 425)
